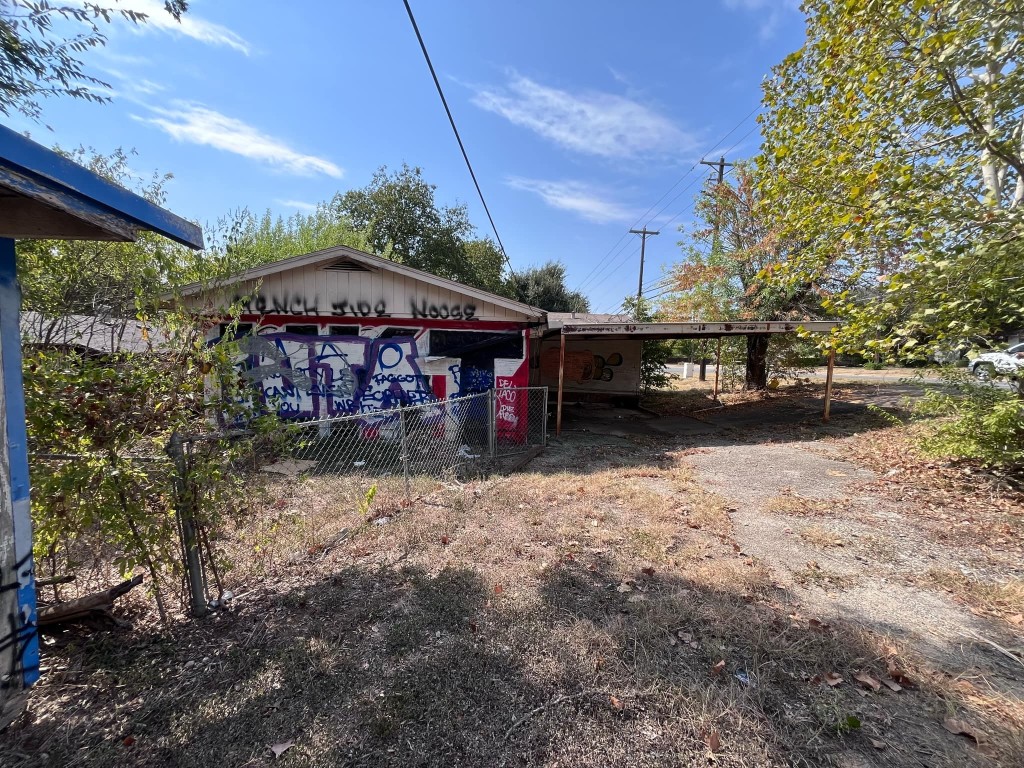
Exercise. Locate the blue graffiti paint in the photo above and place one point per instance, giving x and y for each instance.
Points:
(317, 376)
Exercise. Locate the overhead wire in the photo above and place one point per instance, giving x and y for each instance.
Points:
(589, 276)
(458, 138)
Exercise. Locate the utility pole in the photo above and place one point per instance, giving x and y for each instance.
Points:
(644, 234)
(721, 166)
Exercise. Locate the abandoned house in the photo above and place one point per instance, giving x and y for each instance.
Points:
(341, 332)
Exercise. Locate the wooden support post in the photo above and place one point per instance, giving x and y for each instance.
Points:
(828, 383)
(718, 362)
(561, 378)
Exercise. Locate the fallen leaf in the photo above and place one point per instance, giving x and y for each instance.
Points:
(280, 749)
(617, 703)
(867, 680)
(128, 741)
(624, 588)
(892, 685)
(713, 741)
(718, 668)
(833, 679)
(960, 728)
(686, 637)
(1017, 618)
(444, 540)
(735, 547)
(897, 674)
(876, 743)
(647, 571)
(498, 589)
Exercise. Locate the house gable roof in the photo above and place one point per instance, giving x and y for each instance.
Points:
(343, 256)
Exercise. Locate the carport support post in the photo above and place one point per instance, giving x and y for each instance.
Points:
(718, 362)
(561, 379)
(828, 383)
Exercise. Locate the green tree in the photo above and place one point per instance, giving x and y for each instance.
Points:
(37, 61)
(893, 154)
(400, 217)
(242, 240)
(721, 276)
(545, 287)
(655, 354)
(99, 279)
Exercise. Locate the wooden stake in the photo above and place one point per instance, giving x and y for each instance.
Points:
(718, 362)
(561, 378)
(828, 383)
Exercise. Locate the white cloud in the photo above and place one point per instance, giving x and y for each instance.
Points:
(297, 204)
(195, 123)
(593, 122)
(771, 12)
(574, 196)
(191, 25)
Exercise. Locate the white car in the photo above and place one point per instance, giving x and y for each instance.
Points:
(1008, 362)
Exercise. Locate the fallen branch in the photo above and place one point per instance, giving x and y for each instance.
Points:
(64, 579)
(98, 604)
(541, 708)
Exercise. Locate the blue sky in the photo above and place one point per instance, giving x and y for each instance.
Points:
(578, 115)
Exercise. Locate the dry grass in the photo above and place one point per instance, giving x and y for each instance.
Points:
(820, 537)
(800, 506)
(1004, 598)
(592, 611)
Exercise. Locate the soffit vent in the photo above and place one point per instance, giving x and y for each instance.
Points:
(346, 265)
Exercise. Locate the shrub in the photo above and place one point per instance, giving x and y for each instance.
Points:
(976, 421)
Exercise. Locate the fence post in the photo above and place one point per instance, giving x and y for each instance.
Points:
(544, 418)
(405, 451)
(187, 527)
(492, 423)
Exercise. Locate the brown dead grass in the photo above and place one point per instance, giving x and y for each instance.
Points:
(1003, 598)
(820, 537)
(594, 610)
(799, 506)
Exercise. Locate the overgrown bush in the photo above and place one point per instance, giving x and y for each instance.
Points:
(972, 420)
(103, 486)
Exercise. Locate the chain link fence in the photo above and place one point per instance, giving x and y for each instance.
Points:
(303, 486)
(457, 439)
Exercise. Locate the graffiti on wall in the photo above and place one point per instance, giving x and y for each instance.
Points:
(602, 366)
(469, 379)
(297, 304)
(320, 376)
(19, 635)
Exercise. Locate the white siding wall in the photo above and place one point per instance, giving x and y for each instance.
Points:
(313, 290)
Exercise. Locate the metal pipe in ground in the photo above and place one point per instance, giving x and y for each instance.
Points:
(405, 453)
(187, 527)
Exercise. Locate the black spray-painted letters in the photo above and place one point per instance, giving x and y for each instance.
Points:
(442, 311)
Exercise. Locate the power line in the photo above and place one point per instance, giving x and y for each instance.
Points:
(587, 278)
(458, 138)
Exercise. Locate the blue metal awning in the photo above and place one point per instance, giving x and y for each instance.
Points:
(45, 195)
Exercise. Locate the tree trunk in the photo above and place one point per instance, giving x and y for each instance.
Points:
(757, 361)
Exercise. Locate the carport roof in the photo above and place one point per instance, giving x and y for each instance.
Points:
(622, 331)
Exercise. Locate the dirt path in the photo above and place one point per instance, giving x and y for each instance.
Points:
(850, 557)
